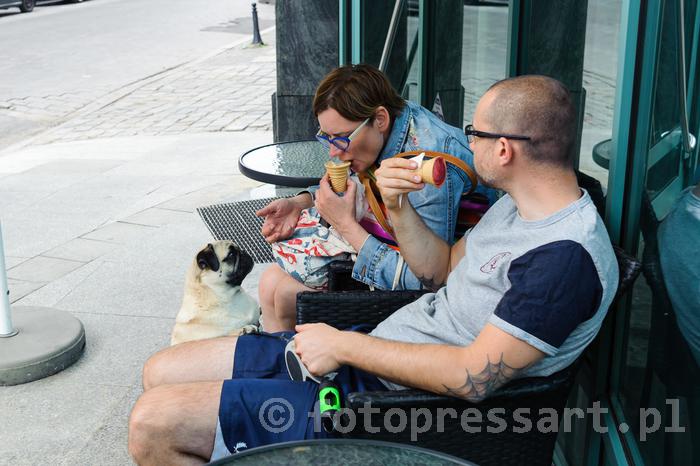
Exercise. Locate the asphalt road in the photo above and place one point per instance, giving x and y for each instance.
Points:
(63, 56)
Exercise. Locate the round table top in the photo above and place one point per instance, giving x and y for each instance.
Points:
(341, 451)
(601, 153)
(297, 164)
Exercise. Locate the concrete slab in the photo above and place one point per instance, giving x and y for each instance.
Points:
(106, 446)
(117, 347)
(42, 420)
(74, 166)
(119, 232)
(11, 261)
(21, 288)
(158, 217)
(42, 269)
(80, 249)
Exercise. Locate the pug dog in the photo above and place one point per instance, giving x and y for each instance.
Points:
(214, 304)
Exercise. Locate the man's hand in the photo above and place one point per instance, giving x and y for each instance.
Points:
(339, 211)
(281, 217)
(394, 178)
(316, 345)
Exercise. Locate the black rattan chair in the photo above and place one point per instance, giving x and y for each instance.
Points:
(496, 447)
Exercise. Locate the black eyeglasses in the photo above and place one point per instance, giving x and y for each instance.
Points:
(471, 132)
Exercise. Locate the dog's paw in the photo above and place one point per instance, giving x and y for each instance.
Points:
(247, 330)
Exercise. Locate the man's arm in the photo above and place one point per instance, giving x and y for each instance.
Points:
(471, 373)
(428, 256)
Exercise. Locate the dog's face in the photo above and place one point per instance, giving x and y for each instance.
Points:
(223, 261)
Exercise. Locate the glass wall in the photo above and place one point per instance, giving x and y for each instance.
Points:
(484, 51)
(599, 78)
(658, 389)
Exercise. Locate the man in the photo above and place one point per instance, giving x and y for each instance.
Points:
(526, 290)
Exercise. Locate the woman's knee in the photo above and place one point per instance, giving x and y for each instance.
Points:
(267, 286)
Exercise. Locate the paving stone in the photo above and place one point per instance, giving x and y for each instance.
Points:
(21, 288)
(118, 232)
(80, 249)
(42, 269)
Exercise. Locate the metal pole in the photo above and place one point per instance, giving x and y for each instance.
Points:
(257, 40)
(6, 329)
(391, 33)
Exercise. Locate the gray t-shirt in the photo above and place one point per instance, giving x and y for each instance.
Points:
(548, 283)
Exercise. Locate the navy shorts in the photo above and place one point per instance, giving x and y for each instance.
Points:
(261, 405)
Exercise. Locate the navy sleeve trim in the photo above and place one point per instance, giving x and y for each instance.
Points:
(554, 288)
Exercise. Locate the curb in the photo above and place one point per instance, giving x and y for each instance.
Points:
(123, 91)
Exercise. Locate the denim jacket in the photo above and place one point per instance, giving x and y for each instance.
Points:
(416, 128)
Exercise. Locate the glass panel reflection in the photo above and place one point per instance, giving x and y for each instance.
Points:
(484, 51)
(660, 379)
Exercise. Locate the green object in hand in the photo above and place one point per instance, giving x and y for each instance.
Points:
(329, 398)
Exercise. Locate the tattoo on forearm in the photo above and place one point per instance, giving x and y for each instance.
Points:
(478, 386)
(430, 283)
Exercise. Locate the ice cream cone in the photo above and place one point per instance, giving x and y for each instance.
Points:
(433, 171)
(338, 174)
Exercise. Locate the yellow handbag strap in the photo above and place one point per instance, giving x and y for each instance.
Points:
(367, 180)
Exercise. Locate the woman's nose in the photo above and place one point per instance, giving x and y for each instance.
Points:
(335, 152)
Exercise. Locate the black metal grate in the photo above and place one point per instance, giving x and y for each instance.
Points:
(237, 221)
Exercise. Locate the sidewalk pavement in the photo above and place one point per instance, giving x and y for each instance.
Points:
(98, 219)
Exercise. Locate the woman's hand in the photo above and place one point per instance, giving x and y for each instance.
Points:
(395, 178)
(281, 218)
(339, 211)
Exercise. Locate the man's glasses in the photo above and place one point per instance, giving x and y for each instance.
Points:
(471, 133)
(341, 142)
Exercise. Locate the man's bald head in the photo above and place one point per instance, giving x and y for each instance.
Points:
(539, 107)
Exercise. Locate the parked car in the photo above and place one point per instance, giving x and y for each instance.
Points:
(26, 5)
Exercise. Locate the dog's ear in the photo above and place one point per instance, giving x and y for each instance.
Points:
(207, 258)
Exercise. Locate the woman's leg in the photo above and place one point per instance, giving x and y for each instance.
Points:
(266, 294)
(286, 303)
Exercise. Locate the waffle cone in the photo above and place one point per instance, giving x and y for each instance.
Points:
(338, 175)
(433, 171)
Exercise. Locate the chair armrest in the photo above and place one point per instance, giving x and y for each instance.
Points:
(344, 309)
(515, 391)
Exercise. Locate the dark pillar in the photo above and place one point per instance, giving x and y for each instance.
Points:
(442, 72)
(552, 42)
(307, 49)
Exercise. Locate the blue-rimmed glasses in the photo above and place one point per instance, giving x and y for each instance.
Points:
(340, 142)
(471, 133)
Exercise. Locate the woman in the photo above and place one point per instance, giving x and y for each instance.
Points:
(364, 121)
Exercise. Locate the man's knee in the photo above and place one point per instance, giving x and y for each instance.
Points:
(147, 426)
(155, 370)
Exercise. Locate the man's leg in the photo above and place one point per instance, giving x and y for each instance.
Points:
(175, 424)
(192, 361)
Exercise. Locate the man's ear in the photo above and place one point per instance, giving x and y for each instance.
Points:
(382, 118)
(505, 151)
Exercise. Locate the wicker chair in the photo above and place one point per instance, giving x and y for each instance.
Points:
(498, 447)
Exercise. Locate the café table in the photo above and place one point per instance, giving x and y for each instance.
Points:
(352, 452)
(296, 164)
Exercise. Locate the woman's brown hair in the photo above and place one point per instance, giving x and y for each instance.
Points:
(355, 92)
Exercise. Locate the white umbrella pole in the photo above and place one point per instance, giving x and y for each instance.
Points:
(6, 329)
